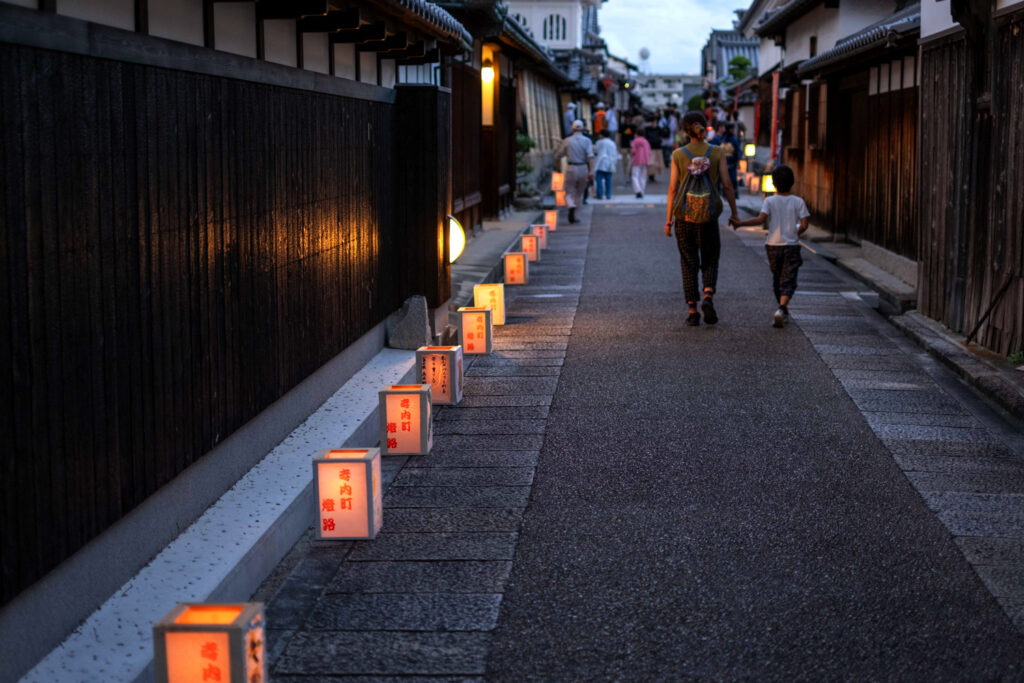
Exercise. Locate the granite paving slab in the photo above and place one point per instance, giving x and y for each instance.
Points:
(954, 449)
(453, 520)
(511, 370)
(485, 426)
(384, 652)
(992, 551)
(421, 577)
(510, 386)
(460, 412)
(466, 497)
(499, 362)
(954, 464)
(969, 482)
(465, 476)
(436, 546)
(479, 458)
(405, 612)
(474, 401)
(933, 433)
(463, 442)
(964, 421)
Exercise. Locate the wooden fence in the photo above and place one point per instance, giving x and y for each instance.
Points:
(178, 251)
(963, 266)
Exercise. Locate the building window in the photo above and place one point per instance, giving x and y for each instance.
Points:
(814, 46)
(521, 19)
(554, 27)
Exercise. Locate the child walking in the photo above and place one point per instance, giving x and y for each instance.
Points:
(786, 215)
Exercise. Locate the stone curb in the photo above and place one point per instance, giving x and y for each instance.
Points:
(982, 373)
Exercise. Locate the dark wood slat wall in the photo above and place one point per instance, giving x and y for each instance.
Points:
(178, 251)
(963, 266)
(466, 144)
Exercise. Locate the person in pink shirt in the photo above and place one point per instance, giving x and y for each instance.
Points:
(640, 150)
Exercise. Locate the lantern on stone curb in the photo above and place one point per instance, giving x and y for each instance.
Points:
(541, 231)
(557, 181)
(491, 295)
(475, 331)
(560, 198)
(517, 268)
(530, 246)
(210, 642)
(405, 412)
(441, 368)
(551, 219)
(349, 502)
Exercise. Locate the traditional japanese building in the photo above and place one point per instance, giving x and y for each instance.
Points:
(724, 46)
(206, 204)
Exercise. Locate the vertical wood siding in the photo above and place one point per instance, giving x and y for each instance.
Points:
(466, 180)
(178, 251)
(964, 266)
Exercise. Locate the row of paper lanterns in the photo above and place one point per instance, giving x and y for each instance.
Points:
(225, 642)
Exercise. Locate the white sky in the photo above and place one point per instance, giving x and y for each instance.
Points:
(673, 30)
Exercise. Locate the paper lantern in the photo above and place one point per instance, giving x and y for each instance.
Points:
(742, 167)
(557, 181)
(551, 219)
(560, 198)
(349, 501)
(754, 182)
(767, 185)
(750, 149)
(541, 231)
(405, 420)
(491, 295)
(475, 331)
(441, 368)
(531, 246)
(208, 642)
(517, 268)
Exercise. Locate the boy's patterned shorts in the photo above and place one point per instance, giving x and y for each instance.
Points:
(785, 262)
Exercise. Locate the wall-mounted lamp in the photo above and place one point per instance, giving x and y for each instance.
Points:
(487, 71)
(456, 239)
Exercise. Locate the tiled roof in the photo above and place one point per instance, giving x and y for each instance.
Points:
(905, 22)
(779, 18)
(439, 19)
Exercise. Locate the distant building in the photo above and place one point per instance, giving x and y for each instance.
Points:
(659, 90)
(722, 47)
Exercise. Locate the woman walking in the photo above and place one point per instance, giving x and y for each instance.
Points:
(694, 206)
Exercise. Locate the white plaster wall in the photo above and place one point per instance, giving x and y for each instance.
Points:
(234, 27)
(419, 73)
(279, 44)
(345, 60)
(935, 17)
(368, 67)
(117, 13)
(316, 52)
(388, 73)
(534, 12)
(854, 16)
(820, 22)
(180, 20)
(769, 55)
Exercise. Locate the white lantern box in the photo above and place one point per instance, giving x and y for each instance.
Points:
(441, 368)
(349, 500)
(541, 232)
(557, 181)
(210, 642)
(405, 420)
(531, 246)
(491, 295)
(551, 219)
(517, 268)
(560, 198)
(475, 332)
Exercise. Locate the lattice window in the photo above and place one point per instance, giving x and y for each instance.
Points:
(521, 19)
(554, 27)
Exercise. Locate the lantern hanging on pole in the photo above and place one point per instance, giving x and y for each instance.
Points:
(531, 246)
(349, 501)
(541, 231)
(551, 219)
(405, 414)
(475, 331)
(517, 268)
(441, 368)
(491, 295)
(210, 642)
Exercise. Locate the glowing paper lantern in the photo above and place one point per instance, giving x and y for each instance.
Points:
(754, 182)
(491, 295)
(541, 231)
(531, 247)
(441, 368)
(206, 642)
(750, 149)
(557, 181)
(560, 198)
(767, 186)
(349, 502)
(475, 331)
(551, 219)
(405, 420)
(742, 167)
(517, 268)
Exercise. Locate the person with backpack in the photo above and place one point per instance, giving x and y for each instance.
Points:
(694, 205)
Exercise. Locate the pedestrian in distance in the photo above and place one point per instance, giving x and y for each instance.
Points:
(786, 215)
(656, 164)
(605, 156)
(579, 151)
(694, 205)
(568, 117)
(640, 153)
(730, 144)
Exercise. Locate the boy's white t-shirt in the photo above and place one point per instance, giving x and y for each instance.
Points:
(784, 214)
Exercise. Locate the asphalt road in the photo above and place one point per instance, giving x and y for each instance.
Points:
(710, 503)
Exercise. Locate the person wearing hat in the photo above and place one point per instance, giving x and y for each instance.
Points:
(568, 118)
(579, 151)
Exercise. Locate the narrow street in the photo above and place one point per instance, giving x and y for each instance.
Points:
(621, 497)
